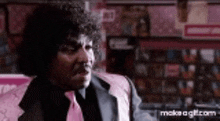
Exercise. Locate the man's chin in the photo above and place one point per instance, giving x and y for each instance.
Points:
(81, 82)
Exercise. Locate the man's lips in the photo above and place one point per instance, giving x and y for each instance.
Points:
(82, 71)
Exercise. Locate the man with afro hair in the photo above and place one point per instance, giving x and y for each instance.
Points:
(58, 49)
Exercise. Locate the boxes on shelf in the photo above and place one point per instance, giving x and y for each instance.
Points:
(155, 86)
(216, 72)
(158, 55)
(207, 55)
(188, 71)
(156, 70)
(172, 70)
(135, 21)
(217, 56)
(216, 88)
(141, 85)
(153, 99)
(141, 69)
(189, 55)
(203, 89)
(186, 87)
(4, 49)
(142, 54)
(170, 100)
(189, 101)
(173, 55)
(170, 87)
(206, 72)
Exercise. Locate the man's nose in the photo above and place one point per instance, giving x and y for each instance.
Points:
(83, 55)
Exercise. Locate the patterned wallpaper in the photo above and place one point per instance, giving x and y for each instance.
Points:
(162, 19)
(17, 14)
(114, 28)
(214, 14)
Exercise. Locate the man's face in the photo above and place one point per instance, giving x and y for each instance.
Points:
(71, 68)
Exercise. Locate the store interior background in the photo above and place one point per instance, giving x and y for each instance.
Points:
(144, 40)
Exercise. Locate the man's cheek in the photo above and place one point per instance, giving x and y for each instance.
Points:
(63, 64)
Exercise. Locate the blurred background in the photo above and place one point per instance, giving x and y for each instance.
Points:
(169, 48)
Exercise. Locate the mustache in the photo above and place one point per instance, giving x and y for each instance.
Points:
(82, 67)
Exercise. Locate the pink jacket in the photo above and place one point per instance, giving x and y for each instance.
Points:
(120, 88)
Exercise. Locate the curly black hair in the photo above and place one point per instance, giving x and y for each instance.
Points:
(46, 29)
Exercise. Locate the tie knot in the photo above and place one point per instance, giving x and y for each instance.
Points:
(70, 95)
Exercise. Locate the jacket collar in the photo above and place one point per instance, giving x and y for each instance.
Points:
(107, 102)
(31, 105)
(30, 102)
(34, 92)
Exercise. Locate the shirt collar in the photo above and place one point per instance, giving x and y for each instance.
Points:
(82, 92)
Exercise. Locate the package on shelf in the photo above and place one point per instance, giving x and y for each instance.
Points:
(142, 54)
(216, 88)
(153, 99)
(135, 21)
(170, 100)
(141, 69)
(173, 55)
(155, 86)
(141, 85)
(186, 87)
(158, 55)
(188, 71)
(156, 70)
(189, 55)
(189, 101)
(3, 40)
(4, 49)
(216, 71)
(172, 70)
(206, 72)
(204, 89)
(170, 87)
(217, 56)
(207, 55)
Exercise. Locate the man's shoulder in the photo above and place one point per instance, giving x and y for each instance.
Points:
(114, 79)
(9, 102)
(13, 96)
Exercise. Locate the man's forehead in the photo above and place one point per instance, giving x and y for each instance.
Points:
(81, 38)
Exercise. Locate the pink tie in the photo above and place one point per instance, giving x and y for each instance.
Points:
(74, 113)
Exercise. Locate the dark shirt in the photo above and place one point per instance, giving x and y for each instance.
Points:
(56, 105)
(89, 105)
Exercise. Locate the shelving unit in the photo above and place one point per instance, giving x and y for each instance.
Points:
(164, 74)
(184, 76)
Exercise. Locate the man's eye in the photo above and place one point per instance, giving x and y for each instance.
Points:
(88, 47)
(67, 49)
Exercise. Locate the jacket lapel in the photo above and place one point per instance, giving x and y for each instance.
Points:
(30, 102)
(107, 102)
(33, 114)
